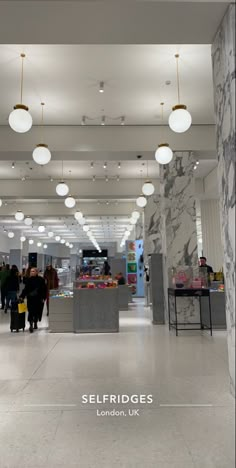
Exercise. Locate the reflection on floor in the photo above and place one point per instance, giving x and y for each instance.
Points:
(44, 423)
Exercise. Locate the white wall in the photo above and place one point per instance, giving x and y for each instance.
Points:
(211, 233)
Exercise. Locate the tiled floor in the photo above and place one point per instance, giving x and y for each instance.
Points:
(43, 422)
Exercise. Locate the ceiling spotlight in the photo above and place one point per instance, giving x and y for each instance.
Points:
(62, 189)
(180, 119)
(19, 216)
(94, 178)
(11, 234)
(105, 165)
(28, 221)
(118, 178)
(148, 188)
(107, 203)
(13, 165)
(107, 179)
(50, 234)
(57, 238)
(119, 165)
(51, 179)
(122, 120)
(141, 201)
(83, 120)
(91, 165)
(31, 241)
(101, 87)
(103, 120)
(78, 215)
(195, 167)
(23, 179)
(39, 244)
(197, 163)
(20, 119)
(22, 238)
(70, 202)
(41, 228)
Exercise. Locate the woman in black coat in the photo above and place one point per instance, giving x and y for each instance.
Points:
(12, 286)
(36, 292)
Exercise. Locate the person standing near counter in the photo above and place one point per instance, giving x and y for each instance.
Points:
(35, 291)
(4, 274)
(203, 263)
(52, 281)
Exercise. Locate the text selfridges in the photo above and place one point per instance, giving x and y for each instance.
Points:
(100, 399)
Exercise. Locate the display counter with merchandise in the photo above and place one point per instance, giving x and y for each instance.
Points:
(61, 311)
(96, 310)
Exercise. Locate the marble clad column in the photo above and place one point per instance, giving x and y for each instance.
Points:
(180, 245)
(153, 225)
(223, 59)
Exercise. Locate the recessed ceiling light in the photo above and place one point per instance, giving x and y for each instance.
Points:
(101, 87)
(13, 165)
(168, 82)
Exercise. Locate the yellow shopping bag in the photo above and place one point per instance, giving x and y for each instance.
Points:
(22, 307)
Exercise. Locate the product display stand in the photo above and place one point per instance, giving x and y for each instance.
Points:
(189, 292)
(61, 314)
(123, 291)
(96, 310)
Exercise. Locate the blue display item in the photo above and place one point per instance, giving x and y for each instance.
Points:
(135, 249)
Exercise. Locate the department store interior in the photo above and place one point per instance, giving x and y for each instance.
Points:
(117, 190)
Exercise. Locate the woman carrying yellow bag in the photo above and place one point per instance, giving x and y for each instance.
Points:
(22, 307)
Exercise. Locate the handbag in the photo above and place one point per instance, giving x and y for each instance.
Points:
(22, 308)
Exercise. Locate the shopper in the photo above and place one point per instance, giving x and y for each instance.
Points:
(106, 268)
(52, 282)
(121, 279)
(36, 292)
(203, 263)
(12, 287)
(3, 278)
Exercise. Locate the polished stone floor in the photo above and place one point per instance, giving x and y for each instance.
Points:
(43, 422)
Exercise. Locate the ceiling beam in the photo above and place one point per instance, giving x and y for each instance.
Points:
(113, 22)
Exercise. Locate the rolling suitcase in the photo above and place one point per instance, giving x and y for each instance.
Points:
(17, 320)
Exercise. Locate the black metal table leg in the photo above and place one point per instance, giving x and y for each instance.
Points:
(200, 309)
(176, 319)
(169, 308)
(209, 299)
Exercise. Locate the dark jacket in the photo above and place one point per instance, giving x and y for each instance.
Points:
(12, 282)
(35, 289)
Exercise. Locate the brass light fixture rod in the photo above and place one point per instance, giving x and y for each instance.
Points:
(22, 77)
(177, 71)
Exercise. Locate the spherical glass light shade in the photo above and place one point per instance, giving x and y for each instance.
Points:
(57, 238)
(71, 246)
(22, 238)
(78, 215)
(20, 119)
(148, 188)
(62, 241)
(127, 233)
(0, 202)
(41, 228)
(62, 189)
(28, 221)
(82, 221)
(31, 241)
(130, 227)
(39, 244)
(133, 221)
(85, 228)
(11, 235)
(141, 202)
(50, 234)
(135, 214)
(67, 244)
(19, 216)
(41, 154)
(45, 246)
(164, 154)
(180, 119)
(70, 202)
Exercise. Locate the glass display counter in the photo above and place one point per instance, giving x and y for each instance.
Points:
(61, 310)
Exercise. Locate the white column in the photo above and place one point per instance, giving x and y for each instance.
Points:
(211, 233)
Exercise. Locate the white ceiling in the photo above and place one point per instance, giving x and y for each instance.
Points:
(67, 79)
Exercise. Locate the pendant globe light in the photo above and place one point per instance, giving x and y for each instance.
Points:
(11, 234)
(41, 154)
(41, 228)
(135, 214)
(141, 201)
(180, 119)
(164, 153)
(28, 221)
(148, 188)
(78, 215)
(20, 119)
(19, 216)
(62, 188)
(22, 238)
(70, 202)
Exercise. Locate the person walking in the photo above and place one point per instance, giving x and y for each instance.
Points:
(52, 281)
(106, 268)
(36, 292)
(12, 287)
(4, 273)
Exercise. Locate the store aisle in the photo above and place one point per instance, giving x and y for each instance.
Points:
(44, 422)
